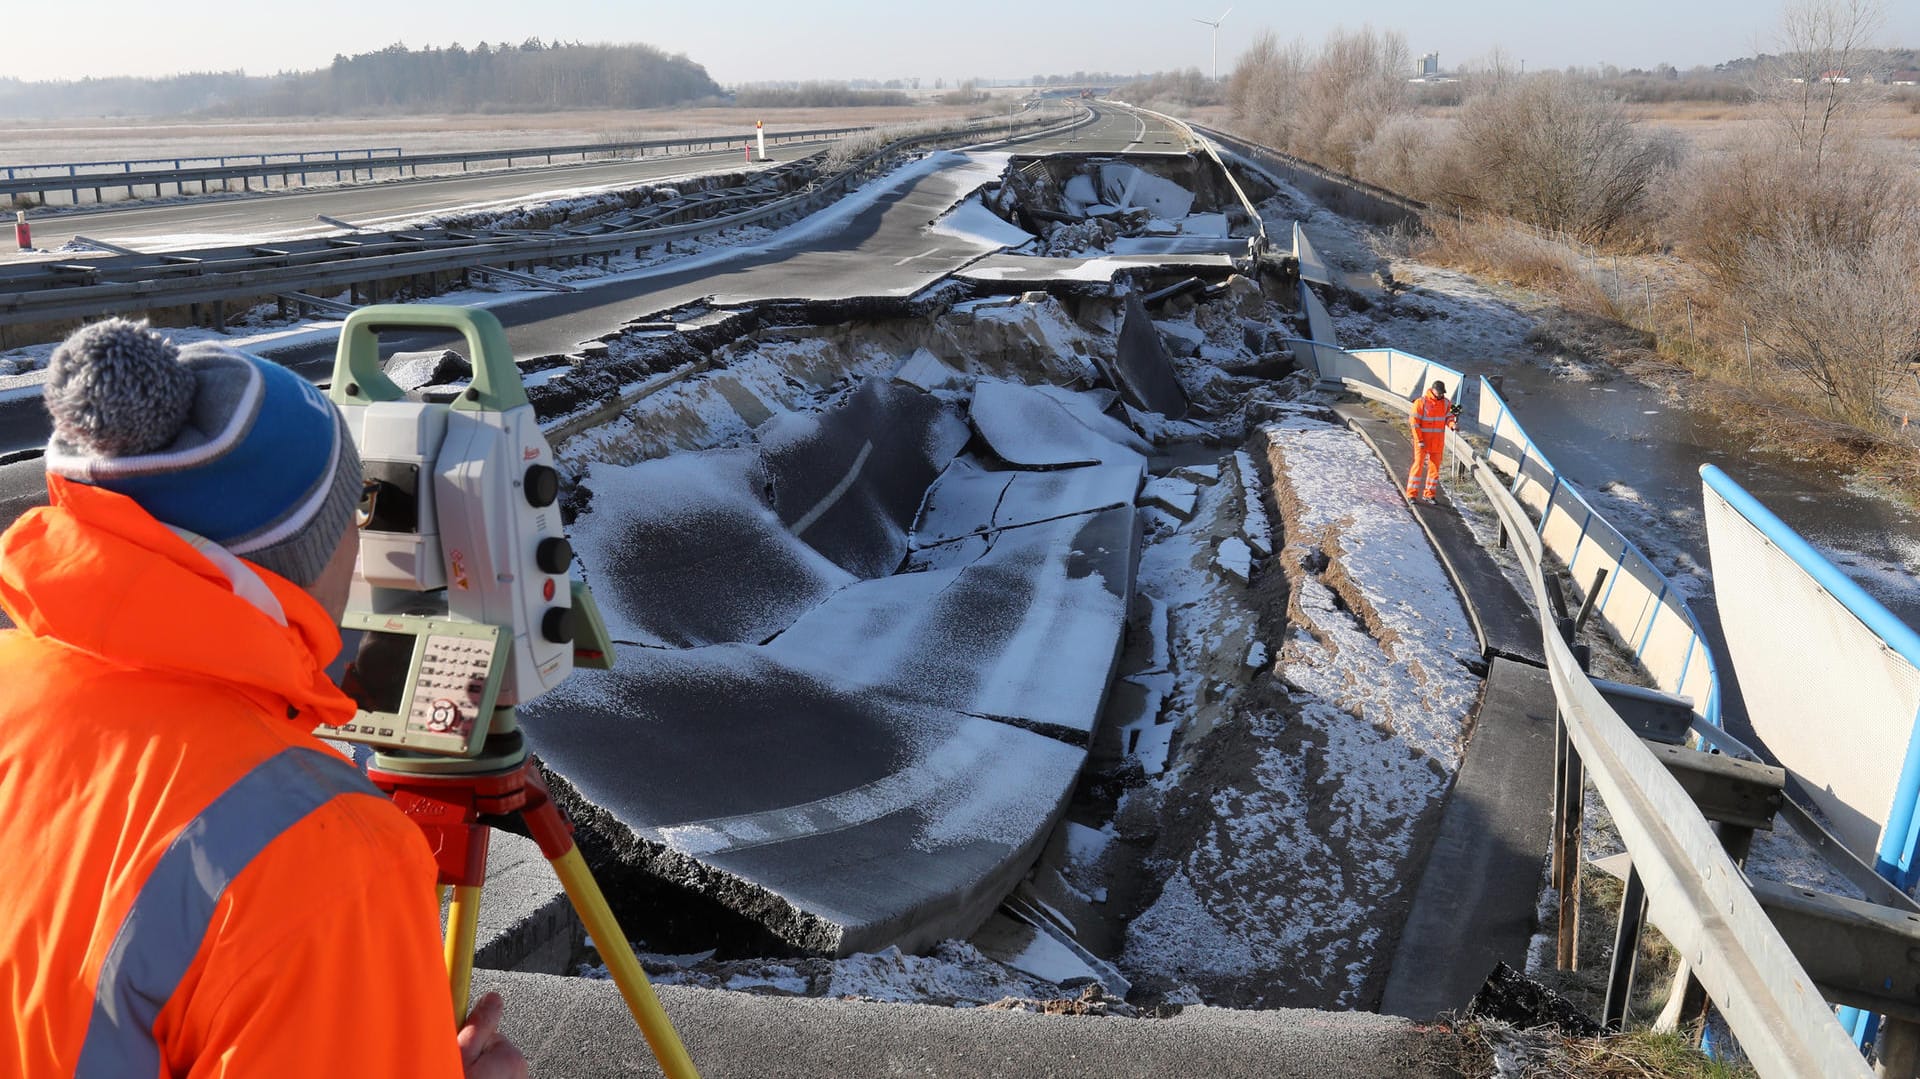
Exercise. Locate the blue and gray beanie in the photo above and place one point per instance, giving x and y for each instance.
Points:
(205, 438)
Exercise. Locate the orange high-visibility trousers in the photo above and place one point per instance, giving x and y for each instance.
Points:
(1426, 455)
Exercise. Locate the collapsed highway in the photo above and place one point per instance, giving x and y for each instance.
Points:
(864, 506)
(998, 609)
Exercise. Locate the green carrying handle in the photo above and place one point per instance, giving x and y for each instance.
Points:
(358, 379)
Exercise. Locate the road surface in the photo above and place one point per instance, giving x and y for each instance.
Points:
(292, 214)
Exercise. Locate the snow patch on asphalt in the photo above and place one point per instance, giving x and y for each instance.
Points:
(973, 222)
(1402, 664)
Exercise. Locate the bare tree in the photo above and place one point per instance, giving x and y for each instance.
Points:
(1264, 90)
(1324, 105)
(1357, 83)
(1815, 89)
(1847, 322)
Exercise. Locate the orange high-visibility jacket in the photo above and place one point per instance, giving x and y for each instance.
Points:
(1430, 419)
(190, 883)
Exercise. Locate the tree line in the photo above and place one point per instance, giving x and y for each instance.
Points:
(533, 75)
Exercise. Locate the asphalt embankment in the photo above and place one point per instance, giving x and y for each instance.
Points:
(581, 1029)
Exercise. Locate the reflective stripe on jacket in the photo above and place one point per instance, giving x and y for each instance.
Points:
(1431, 417)
(196, 885)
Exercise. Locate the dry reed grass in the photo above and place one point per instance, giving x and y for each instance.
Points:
(1687, 335)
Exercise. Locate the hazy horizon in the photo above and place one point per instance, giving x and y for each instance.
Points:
(839, 40)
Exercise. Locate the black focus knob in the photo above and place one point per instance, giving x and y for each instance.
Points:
(543, 486)
(554, 555)
(557, 625)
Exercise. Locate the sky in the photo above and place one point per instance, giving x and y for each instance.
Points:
(742, 41)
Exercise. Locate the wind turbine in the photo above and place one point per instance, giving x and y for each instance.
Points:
(1215, 23)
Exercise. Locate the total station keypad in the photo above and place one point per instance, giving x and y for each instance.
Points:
(452, 680)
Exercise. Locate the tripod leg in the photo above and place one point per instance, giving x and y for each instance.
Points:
(627, 974)
(463, 920)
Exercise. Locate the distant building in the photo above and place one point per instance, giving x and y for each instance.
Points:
(1428, 66)
(1835, 75)
(1905, 78)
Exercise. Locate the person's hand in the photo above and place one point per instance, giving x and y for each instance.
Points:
(485, 1053)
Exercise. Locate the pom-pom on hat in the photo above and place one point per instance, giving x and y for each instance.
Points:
(208, 439)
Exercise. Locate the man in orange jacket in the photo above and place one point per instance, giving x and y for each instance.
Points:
(194, 884)
(1432, 415)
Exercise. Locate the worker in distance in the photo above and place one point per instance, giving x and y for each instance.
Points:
(197, 885)
(1432, 415)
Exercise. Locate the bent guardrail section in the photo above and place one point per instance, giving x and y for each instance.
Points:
(1312, 267)
(1257, 246)
(1341, 193)
(1693, 891)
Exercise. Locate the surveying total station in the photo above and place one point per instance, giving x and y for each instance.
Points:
(466, 606)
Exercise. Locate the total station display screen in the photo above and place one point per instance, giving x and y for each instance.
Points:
(377, 677)
(390, 497)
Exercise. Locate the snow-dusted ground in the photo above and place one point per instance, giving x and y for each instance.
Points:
(1313, 746)
(1453, 318)
(1393, 645)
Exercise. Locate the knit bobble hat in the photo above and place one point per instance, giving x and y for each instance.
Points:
(207, 439)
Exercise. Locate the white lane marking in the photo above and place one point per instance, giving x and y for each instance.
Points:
(827, 503)
(960, 757)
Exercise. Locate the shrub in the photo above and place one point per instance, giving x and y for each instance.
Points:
(1558, 152)
(1325, 106)
(1845, 319)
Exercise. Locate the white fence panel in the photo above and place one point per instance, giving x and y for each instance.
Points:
(1831, 679)
(1566, 515)
(1312, 267)
(1319, 323)
(1668, 645)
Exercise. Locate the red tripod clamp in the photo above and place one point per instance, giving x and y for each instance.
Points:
(453, 811)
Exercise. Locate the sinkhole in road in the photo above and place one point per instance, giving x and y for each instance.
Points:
(886, 668)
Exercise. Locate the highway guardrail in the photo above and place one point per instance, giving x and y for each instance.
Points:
(1257, 244)
(99, 182)
(206, 282)
(1679, 871)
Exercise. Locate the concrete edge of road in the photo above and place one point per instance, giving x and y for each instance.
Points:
(580, 1028)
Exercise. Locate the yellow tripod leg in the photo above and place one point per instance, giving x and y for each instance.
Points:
(463, 921)
(627, 974)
